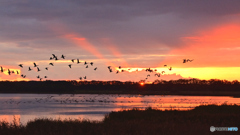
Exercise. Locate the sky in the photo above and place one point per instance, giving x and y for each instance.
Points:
(136, 34)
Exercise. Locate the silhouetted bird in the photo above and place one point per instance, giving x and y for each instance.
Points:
(70, 65)
(148, 75)
(38, 76)
(35, 65)
(38, 69)
(85, 63)
(23, 76)
(50, 58)
(51, 64)
(165, 65)
(87, 66)
(20, 65)
(119, 67)
(170, 68)
(9, 72)
(1, 69)
(184, 60)
(78, 61)
(155, 70)
(40, 79)
(91, 63)
(117, 72)
(45, 76)
(109, 67)
(95, 68)
(17, 72)
(85, 77)
(80, 78)
(13, 72)
(29, 69)
(110, 70)
(54, 56)
(189, 60)
(63, 56)
(122, 70)
(46, 68)
(73, 60)
(163, 72)
(157, 75)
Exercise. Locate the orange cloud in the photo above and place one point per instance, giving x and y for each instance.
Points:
(215, 52)
(114, 50)
(218, 47)
(81, 41)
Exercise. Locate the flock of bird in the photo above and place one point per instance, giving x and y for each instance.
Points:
(54, 57)
(111, 98)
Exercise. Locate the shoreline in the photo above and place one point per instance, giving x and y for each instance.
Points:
(234, 94)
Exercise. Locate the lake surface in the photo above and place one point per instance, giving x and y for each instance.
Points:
(25, 107)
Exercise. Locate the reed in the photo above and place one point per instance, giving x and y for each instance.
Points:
(135, 121)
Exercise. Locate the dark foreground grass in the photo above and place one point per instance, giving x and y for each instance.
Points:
(145, 122)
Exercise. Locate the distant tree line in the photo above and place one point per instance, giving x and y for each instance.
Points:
(72, 86)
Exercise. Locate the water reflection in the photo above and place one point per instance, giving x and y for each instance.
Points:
(93, 106)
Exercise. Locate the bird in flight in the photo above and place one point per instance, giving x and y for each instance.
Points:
(29, 69)
(184, 60)
(50, 58)
(78, 61)
(109, 67)
(38, 76)
(117, 72)
(170, 68)
(165, 65)
(17, 72)
(163, 72)
(73, 60)
(23, 76)
(45, 76)
(87, 66)
(95, 68)
(63, 56)
(85, 77)
(157, 75)
(148, 75)
(91, 63)
(1, 69)
(51, 64)
(20, 65)
(38, 69)
(119, 67)
(9, 72)
(70, 65)
(189, 60)
(80, 78)
(85, 63)
(54, 56)
(46, 68)
(35, 65)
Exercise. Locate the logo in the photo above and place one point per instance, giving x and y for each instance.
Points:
(212, 128)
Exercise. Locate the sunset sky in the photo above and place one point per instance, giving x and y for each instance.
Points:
(136, 34)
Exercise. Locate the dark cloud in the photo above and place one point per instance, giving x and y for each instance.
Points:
(135, 26)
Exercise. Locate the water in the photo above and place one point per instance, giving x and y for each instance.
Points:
(93, 106)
